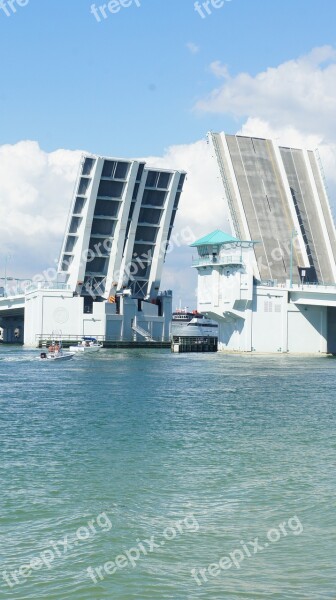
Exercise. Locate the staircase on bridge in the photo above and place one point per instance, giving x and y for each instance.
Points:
(141, 331)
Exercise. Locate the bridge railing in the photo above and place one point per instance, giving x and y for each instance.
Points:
(47, 285)
(10, 294)
(67, 337)
(318, 287)
(12, 290)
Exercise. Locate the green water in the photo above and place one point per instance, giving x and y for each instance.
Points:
(149, 467)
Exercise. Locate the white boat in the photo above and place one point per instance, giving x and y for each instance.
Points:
(193, 324)
(86, 345)
(55, 353)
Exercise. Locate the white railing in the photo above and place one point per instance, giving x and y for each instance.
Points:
(7, 294)
(47, 285)
(68, 337)
(316, 287)
(217, 260)
(270, 283)
(143, 332)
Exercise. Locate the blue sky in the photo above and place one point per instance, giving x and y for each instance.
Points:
(128, 85)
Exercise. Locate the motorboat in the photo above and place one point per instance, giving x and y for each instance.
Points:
(87, 345)
(54, 353)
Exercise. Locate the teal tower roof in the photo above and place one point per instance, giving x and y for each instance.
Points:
(216, 237)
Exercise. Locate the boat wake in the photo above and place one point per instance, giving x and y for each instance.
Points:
(16, 358)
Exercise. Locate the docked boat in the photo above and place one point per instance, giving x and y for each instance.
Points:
(86, 345)
(193, 332)
(193, 324)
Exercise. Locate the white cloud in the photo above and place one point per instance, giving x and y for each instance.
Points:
(35, 191)
(286, 135)
(193, 48)
(219, 70)
(299, 93)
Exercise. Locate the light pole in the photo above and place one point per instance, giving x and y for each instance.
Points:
(303, 275)
(294, 234)
(7, 257)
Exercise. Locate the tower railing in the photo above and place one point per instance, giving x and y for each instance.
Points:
(217, 260)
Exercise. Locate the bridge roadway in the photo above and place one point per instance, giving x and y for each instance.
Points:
(12, 306)
(12, 319)
(313, 295)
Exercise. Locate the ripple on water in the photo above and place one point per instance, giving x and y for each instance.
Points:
(239, 445)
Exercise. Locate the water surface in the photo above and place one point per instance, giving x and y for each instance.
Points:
(184, 459)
